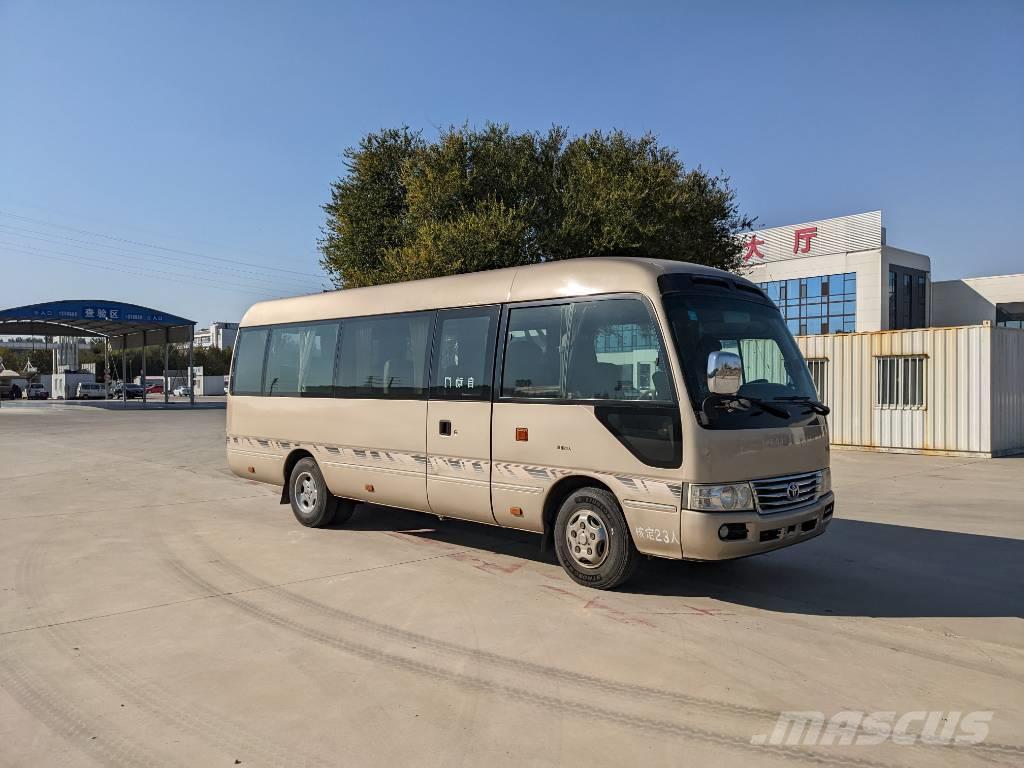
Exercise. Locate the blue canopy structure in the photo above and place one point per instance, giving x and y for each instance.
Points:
(124, 325)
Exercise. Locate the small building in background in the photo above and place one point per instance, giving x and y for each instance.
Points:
(905, 364)
(219, 335)
(998, 300)
(839, 275)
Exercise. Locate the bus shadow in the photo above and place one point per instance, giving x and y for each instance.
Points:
(862, 568)
(857, 568)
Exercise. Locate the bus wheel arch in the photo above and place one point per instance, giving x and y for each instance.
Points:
(289, 464)
(557, 495)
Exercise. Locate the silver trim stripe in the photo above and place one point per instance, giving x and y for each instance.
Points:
(781, 494)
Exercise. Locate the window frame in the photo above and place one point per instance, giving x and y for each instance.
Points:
(301, 323)
(821, 364)
(895, 385)
(385, 395)
(502, 345)
(234, 358)
(435, 341)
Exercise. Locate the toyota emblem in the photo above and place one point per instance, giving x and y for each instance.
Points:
(792, 491)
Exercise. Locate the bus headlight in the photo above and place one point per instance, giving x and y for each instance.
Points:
(826, 481)
(734, 497)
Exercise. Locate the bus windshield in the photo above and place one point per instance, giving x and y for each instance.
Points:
(773, 369)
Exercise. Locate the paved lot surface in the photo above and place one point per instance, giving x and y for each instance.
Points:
(155, 610)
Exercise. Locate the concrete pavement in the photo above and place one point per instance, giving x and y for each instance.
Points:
(155, 610)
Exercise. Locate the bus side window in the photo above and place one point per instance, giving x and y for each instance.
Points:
(247, 366)
(463, 357)
(384, 356)
(532, 353)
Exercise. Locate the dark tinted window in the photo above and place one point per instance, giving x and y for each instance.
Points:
(532, 353)
(464, 353)
(247, 366)
(606, 349)
(652, 434)
(300, 360)
(615, 352)
(384, 356)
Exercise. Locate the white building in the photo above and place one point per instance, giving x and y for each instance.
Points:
(839, 275)
(220, 335)
(876, 334)
(998, 300)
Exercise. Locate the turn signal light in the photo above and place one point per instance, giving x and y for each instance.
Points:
(515, 511)
(251, 470)
(369, 487)
(522, 434)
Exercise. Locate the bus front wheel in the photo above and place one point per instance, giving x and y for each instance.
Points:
(312, 503)
(592, 540)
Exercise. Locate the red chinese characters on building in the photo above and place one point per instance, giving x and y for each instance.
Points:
(802, 239)
(752, 252)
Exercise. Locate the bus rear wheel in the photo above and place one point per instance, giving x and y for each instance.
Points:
(312, 503)
(592, 540)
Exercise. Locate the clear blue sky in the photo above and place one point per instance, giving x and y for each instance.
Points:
(215, 128)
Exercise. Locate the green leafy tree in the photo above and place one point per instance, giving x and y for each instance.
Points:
(478, 199)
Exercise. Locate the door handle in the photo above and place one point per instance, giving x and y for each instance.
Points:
(444, 427)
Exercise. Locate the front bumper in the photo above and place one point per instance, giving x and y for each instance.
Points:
(763, 533)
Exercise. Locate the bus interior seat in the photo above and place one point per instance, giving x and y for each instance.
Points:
(589, 378)
(526, 361)
(661, 385)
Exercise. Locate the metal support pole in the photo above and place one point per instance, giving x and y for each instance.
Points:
(144, 382)
(106, 367)
(124, 368)
(167, 347)
(191, 373)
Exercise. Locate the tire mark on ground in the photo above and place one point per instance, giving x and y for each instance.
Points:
(465, 680)
(149, 696)
(92, 735)
(601, 685)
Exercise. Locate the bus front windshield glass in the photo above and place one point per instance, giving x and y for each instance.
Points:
(774, 372)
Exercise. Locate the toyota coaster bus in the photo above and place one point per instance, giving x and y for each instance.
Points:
(616, 406)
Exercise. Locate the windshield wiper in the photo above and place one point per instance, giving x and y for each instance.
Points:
(764, 405)
(811, 403)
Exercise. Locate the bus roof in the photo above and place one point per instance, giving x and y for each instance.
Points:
(553, 279)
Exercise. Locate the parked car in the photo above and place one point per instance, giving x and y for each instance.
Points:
(155, 389)
(90, 391)
(36, 391)
(182, 390)
(132, 391)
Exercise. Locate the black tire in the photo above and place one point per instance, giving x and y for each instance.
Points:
(609, 565)
(312, 503)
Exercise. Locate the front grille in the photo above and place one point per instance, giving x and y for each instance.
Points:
(774, 495)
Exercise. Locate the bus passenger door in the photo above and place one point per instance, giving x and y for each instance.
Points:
(459, 414)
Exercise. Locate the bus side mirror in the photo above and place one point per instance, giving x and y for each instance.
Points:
(725, 373)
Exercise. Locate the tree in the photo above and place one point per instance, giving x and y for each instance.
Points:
(485, 198)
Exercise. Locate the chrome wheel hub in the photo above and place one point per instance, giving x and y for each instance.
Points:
(587, 539)
(305, 493)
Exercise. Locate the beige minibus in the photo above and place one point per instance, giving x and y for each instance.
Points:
(616, 406)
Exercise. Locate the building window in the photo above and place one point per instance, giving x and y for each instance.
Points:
(892, 298)
(908, 301)
(1010, 315)
(813, 305)
(818, 368)
(900, 381)
(908, 298)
